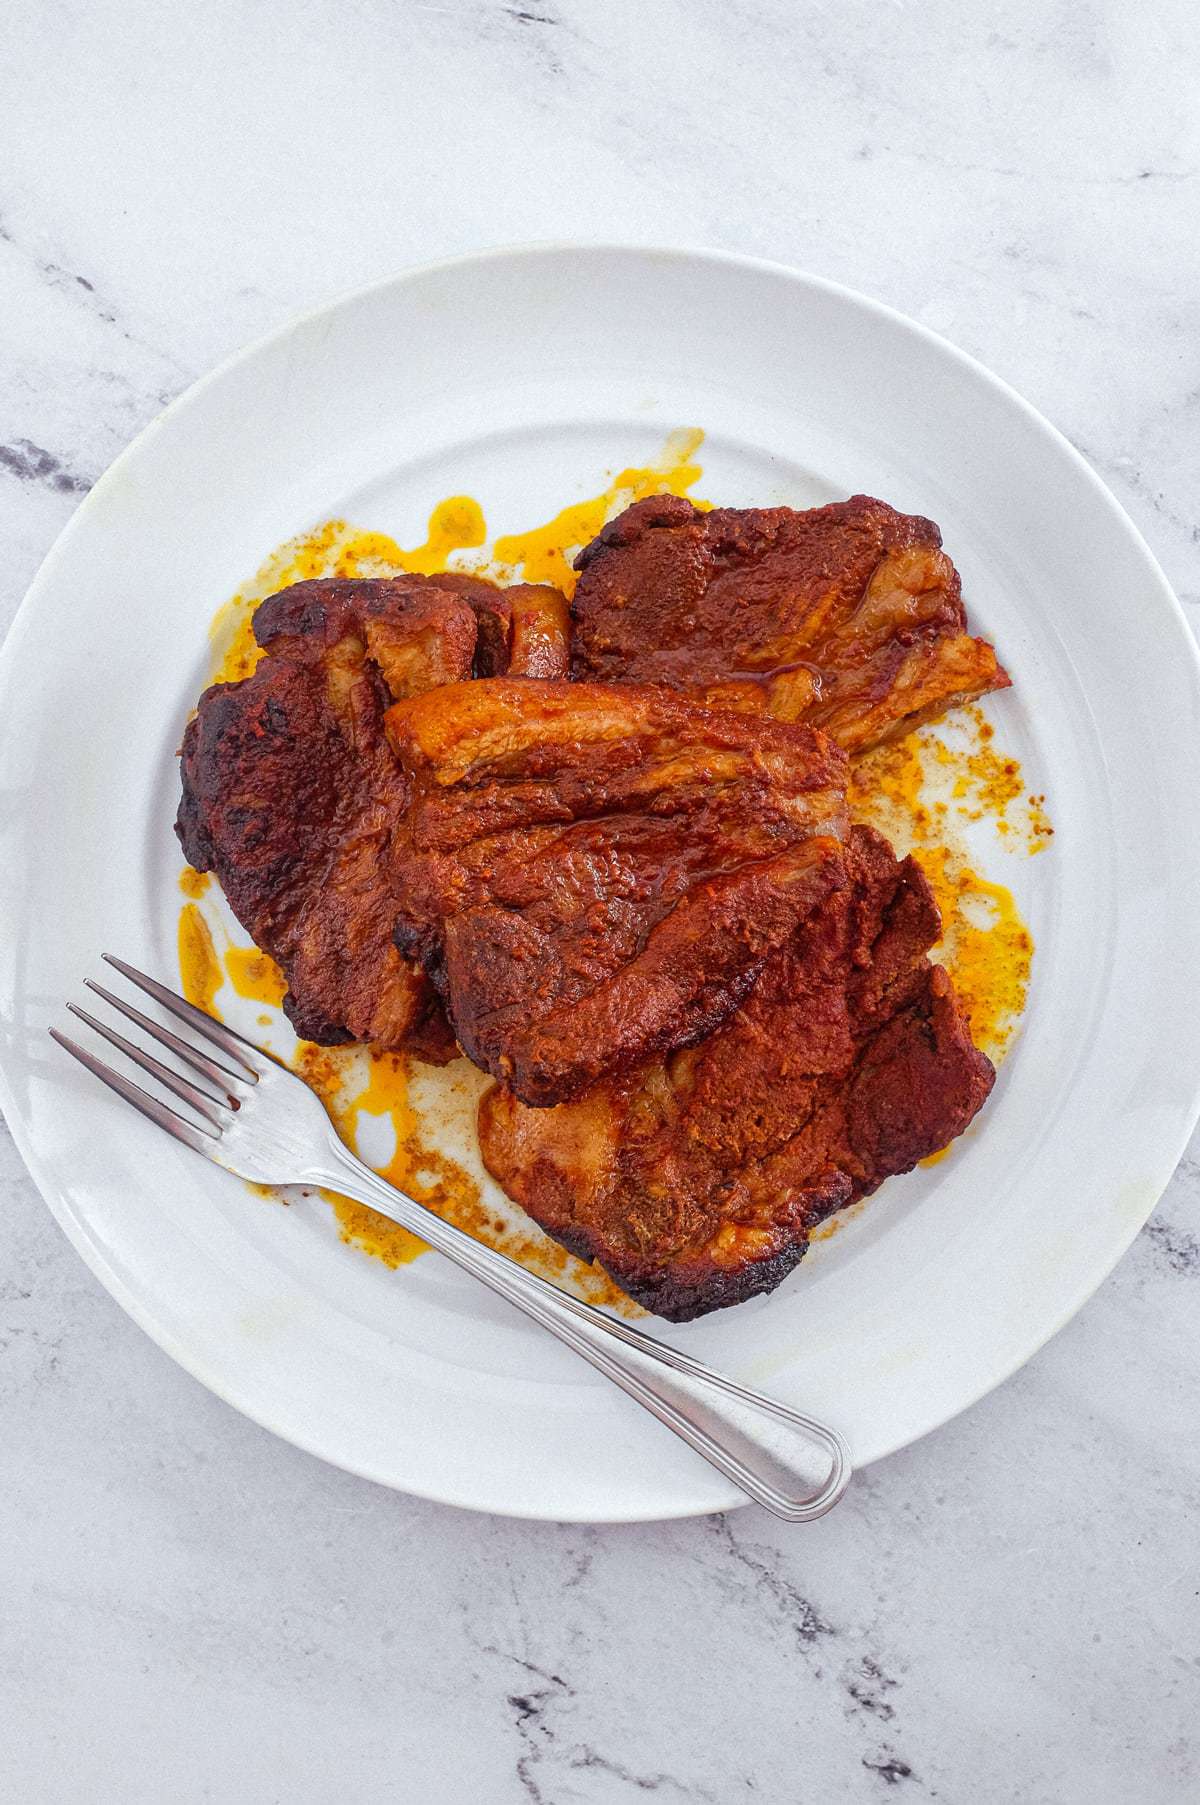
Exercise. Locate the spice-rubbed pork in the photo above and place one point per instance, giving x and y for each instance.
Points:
(848, 617)
(696, 1180)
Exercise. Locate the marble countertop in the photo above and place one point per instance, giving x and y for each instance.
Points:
(190, 1609)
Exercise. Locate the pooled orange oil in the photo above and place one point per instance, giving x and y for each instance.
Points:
(385, 1094)
(456, 524)
(919, 791)
(199, 968)
(986, 946)
(542, 554)
(337, 549)
(254, 975)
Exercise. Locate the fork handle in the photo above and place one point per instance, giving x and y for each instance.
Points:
(789, 1463)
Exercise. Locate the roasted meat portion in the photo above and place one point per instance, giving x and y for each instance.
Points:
(411, 630)
(591, 873)
(291, 795)
(522, 630)
(696, 1180)
(848, 617)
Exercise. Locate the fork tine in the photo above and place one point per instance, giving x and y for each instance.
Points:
(188, 1093)
(196, 1138)
(212, 1069)
(225, 1038)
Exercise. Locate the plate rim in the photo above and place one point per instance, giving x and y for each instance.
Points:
(1171, 1149)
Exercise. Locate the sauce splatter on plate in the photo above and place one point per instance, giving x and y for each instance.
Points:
(923, 791)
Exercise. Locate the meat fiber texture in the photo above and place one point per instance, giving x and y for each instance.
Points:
(848, 617)
(591, 873)
(696, 1179)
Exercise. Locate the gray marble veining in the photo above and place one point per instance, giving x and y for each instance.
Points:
(191, 1609)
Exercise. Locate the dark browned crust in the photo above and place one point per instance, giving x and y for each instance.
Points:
(696, 1181)
(709, 1002)
(681, 1292)
(291, 796)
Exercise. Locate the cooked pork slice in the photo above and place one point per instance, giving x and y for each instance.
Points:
(591, 873)
(696, 1180)
(291, 795)
(848, 617)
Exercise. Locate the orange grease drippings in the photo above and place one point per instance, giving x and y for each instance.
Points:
(428, 1175)
(919, 790)
(199, 969)
(254, 975)
(986, 946)
(194, 883)
(456, 524)
(543, 554)
(336, 549)
(385, 1094)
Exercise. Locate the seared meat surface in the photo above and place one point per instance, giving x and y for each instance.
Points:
(848, 617)
(696, 1180)
(291, 795)
(592, 873)
(522, 631)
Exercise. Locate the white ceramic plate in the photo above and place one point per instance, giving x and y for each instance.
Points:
(520, 377)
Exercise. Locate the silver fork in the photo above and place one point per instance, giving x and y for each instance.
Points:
(261, 1121)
